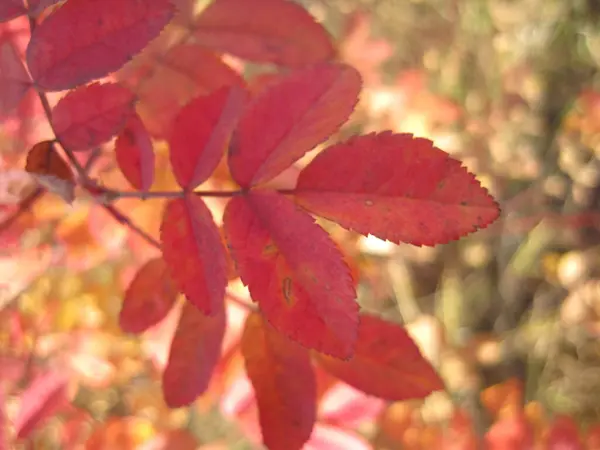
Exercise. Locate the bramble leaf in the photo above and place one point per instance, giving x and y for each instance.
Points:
(9, 9)
(284, 383)
(268, 31)
(294, 271)
(290, 117)
(149, 297)
(386, 363)
(135, 154)
(14, 79)
(91, 115)
(166, 79)
(201, 132)
(194, 353)
(194, 253)
(88, 39)
(395, 187)
(50, 170)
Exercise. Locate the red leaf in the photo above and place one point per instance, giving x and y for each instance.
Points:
(9, 9)
(386, 363)
(294, 270)
(42, 399)
(135, 154)
(149, 297)
(299, 111)
(268, 31)
(201, 132)
(14, 79)
(164, 80)
(563, 433)
(50, 170)
(88, 39)
(510, 433)
(194, 253)
(284, 383)
(36, 7)
(91, 115)
(194, 353)
(395, 187)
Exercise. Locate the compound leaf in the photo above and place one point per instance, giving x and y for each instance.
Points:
(194, 353)
(386, 363)
(290, 117)
(201, 132)
(149, 297)
(294, 271)
(284, 383)
(268, 31)
(135, 154)
(91, 115)
(395, 187)
(87, 39)
(193, 250)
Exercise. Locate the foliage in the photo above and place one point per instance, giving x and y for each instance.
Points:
(225, 163)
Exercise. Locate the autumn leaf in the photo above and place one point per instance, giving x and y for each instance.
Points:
(300, 111)
(194, 253)
(395, 187)
(41, 400)
(14, 79)
(194, 353)
(268, 31)
(149, 297)
(201, 132)
(284, 383)
(9, 9)
(36, 7)
(294, 271)
(165, 79)
(69, 48)
(135, 154)
(51, 171)
(386, 363)
(91, 115)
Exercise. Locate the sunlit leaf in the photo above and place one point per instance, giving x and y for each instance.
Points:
(273, 31)
(294, 271)
(14, 80)
(194, 253)
(194, 353)
(395, 187)
(200, 133)
(91, 115)
(149, 297)
(386, 363)
(284, 383)
(69, 48)
(135, 154)
(290, 117)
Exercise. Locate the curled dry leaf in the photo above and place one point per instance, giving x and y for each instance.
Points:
(51, 170)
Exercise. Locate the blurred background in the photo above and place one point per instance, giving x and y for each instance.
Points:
(510, 316)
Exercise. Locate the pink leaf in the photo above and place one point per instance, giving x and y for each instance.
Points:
(14, 80)
(9, 9)
(290, 117)
(135, 154)
(273, 31)
(42, 399)
(88, 39)
(194, 353)
(201, 132)
(193, 250)
(91, 115)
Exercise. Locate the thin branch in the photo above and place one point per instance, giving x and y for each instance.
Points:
(24, 206)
